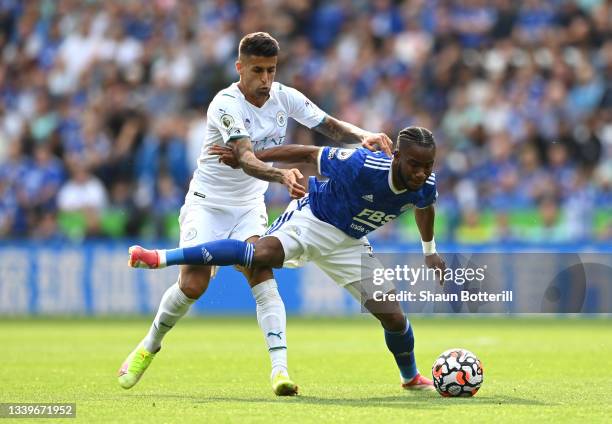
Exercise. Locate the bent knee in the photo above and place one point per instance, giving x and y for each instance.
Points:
(194, 280)
(268, 253)
(393, 321)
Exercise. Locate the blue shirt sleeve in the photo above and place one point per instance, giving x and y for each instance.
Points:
(429, 195)
(339, 163)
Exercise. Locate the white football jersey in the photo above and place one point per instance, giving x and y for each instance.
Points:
(231, 116)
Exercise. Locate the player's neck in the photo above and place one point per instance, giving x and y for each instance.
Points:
(254, 100)
(396, 180)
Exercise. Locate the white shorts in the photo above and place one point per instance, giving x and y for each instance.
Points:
(201, 222)
(346, 260)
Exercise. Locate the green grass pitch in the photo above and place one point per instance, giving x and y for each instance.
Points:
(216, 370)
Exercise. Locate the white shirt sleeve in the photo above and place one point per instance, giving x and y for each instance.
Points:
(225, 115)
(301, 109)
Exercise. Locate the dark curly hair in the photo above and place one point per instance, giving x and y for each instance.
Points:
(415, 135)
(258, 44)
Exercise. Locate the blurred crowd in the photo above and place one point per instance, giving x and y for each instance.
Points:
(102, 105)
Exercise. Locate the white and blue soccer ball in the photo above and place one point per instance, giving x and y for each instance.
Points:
(457, 373)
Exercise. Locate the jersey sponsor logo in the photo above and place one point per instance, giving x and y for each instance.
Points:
(406, 207)
(227, 121)
(368, 197)
(372, 218)
(267, 143)
(344, 154)
(281, 118)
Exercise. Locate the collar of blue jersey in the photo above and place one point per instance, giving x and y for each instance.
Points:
(390, 179)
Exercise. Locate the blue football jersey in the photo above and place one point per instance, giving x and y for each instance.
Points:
(359, 196)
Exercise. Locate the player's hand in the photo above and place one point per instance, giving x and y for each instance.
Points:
(226, 155)
(290, 180)
(436, 262)
(379, 141)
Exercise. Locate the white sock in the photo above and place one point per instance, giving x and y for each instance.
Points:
(273, 322)
(174, 304)
(162, 258)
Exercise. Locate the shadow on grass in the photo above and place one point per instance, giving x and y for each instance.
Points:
(413, 400)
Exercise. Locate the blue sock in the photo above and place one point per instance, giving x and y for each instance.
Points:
(220, 252)
(401, 345)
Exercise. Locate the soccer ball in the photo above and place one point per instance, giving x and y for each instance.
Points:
(457, 372)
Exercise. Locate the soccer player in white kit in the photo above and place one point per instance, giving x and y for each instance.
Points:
(224, 203)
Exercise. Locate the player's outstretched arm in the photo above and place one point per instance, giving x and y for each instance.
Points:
(294, 153)
(345, 132)
(251, 165)
(425, 218)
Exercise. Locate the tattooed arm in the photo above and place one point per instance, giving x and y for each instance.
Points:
(243, 151)
(348, 133)
(287, 153)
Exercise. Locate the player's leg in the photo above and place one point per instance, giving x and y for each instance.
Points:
(399, 338)
(272, 321)
(271, 315)
(269, 253)
(218, 252)
(262, 255)
(266, 253)
(176, 301)
(353, 261)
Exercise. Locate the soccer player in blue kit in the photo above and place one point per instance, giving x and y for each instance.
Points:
(329, 226)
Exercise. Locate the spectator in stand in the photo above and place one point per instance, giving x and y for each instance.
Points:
(124, 86)
(83, 193)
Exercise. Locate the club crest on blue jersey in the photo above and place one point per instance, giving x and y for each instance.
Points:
(344, 154)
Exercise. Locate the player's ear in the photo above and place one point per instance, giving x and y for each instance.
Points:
(238, 66)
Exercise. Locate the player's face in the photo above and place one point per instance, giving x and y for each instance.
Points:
(257, 74)
(415, 164)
